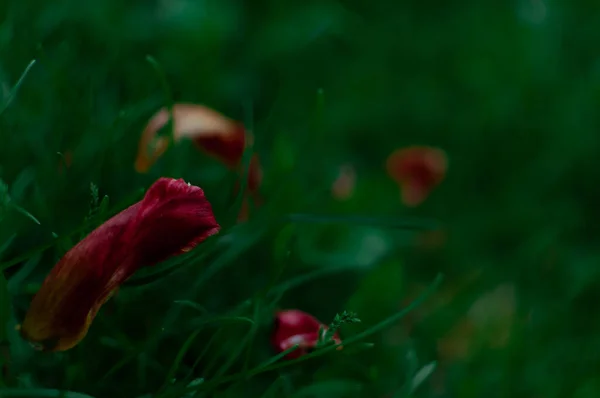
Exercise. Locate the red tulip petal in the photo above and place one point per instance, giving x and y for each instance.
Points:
(172, 217)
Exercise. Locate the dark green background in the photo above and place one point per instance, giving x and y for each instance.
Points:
(510, 90)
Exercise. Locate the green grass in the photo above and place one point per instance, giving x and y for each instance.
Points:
(510, 92)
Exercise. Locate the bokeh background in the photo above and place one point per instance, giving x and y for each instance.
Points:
(509, 90)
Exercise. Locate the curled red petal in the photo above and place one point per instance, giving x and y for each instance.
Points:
(214, 133)
(417, 170)
(172, 217)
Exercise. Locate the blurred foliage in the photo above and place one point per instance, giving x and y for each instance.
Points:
(510, 91)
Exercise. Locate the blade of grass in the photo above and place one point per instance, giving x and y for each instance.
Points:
(178, 358)
(422, 375)
(246, 342)
(16, 88)
(24, 212)
(207, 347)
(170, 102)
(272, 389)
(276, 358)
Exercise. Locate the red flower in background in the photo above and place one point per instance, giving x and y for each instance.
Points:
(297, 327)
(212, 132)
(172, 218)
(417, 170)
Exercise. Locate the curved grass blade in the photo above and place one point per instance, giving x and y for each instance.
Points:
(24, 212)
(247, 342)
(275, 358)
(179, 357)
(211, 341)
(167, 94)
(271, 391)
(422, 375)
(17, 86)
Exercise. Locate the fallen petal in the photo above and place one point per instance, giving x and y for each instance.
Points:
(417, 170)
(214, 133)
(172, 217)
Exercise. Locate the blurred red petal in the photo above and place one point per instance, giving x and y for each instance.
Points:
(417, 170)
(172, 217)
(343, 186)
